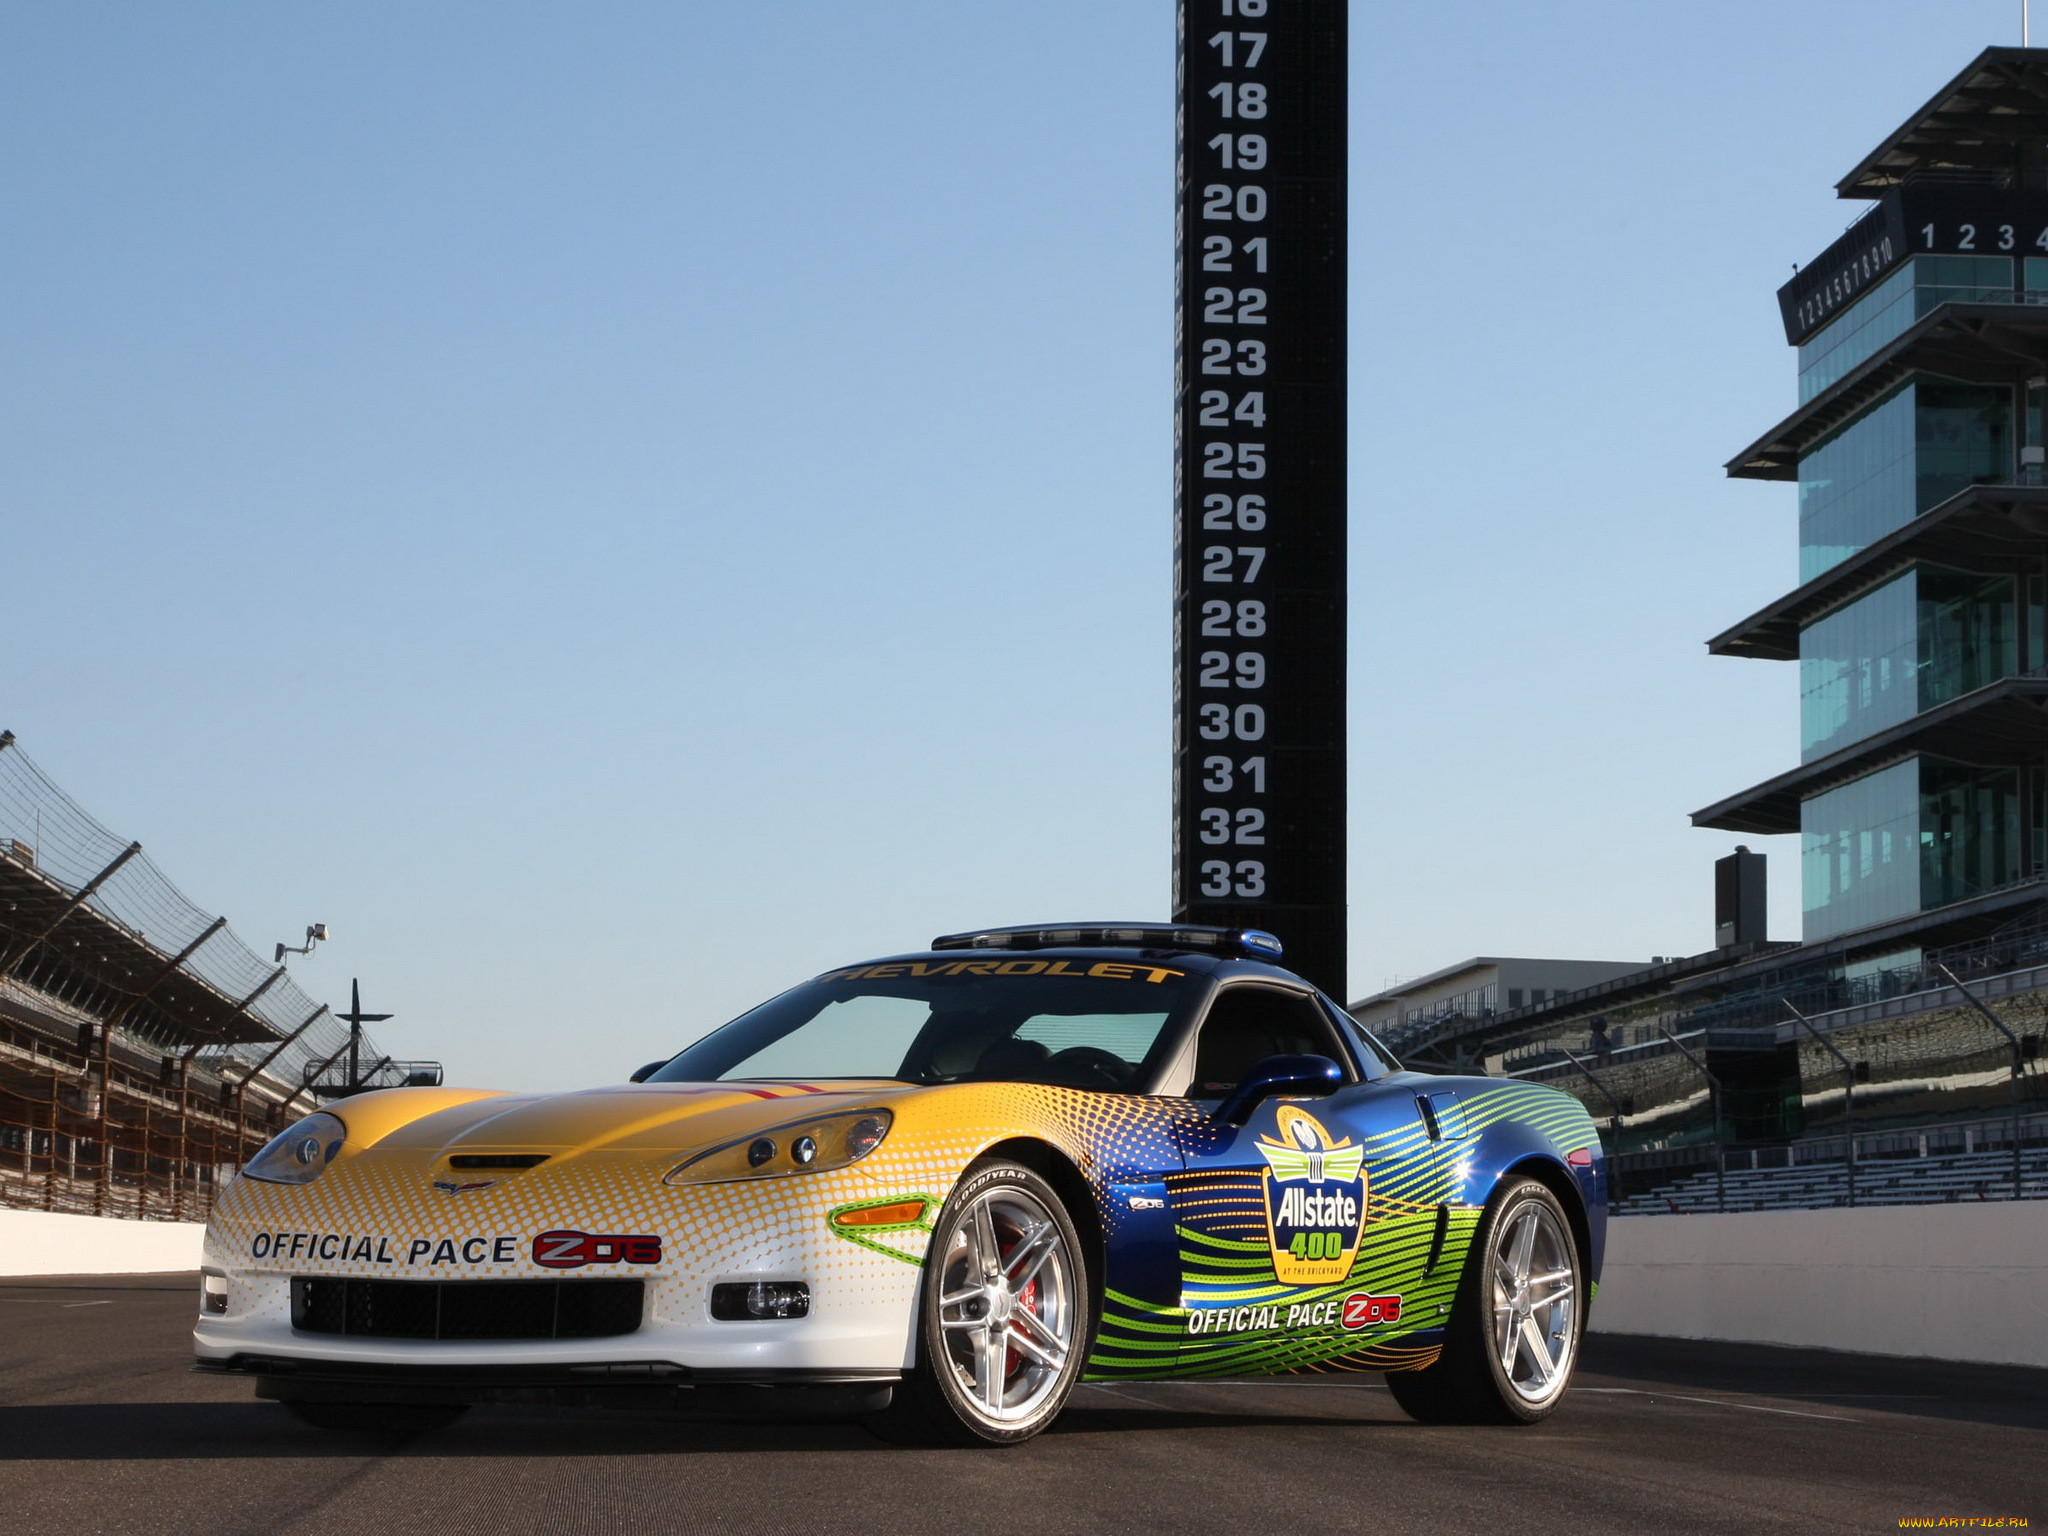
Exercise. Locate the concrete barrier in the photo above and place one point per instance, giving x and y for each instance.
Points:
(1945, 1282)
(43, 1243)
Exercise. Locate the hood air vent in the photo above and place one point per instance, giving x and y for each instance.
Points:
(497, 1159)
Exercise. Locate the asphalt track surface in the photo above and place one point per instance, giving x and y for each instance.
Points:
(104, 1429)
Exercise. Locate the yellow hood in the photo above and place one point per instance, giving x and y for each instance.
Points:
(646, 1118)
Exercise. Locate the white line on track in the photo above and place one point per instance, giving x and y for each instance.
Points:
(1096, 1386)
(1720, 1402)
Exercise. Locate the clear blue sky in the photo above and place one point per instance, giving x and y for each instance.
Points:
(618, 507)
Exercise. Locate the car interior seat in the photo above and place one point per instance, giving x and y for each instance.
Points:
(1246, 1024)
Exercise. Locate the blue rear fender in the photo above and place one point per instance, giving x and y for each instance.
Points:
(1508, 1147)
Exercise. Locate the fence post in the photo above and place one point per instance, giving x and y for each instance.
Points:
(1614, 1120)
(50, 1163)
(1848, 1089)
(1714, 1097)
(2018, 1066)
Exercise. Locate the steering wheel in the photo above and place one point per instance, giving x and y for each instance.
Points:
(1086, 1066)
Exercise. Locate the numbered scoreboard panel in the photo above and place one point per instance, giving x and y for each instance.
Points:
(1259, 567)
(1923, 219)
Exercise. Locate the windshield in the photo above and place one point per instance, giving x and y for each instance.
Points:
(1070, 1022)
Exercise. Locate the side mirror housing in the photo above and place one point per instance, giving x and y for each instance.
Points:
(1295, 1077)
(647, 1071)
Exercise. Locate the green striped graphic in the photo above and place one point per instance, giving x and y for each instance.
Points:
(1227, 1262)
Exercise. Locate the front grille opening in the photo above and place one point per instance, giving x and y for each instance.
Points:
(466, 1309)
(497, 1159)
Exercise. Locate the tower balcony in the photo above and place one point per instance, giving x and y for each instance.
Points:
(1990, 529)
(2003, 724)
(2003, 341)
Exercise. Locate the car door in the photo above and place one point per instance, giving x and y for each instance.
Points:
(1304, 1232)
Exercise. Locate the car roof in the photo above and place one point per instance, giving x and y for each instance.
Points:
(1193, 961)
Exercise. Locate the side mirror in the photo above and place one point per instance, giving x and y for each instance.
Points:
(647, 1071)
(1297, 1077)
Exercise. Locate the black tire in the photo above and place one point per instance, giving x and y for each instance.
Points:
(994, 1382)
(1471, 1382)
(387, 1421)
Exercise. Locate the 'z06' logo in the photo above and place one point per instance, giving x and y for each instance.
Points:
(573, 1250)
(1315, 1200)
(1362, 1309)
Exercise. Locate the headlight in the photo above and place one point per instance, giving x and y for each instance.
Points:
(299, 1154)
(802, 1146)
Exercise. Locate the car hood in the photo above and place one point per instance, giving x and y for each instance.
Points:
(643, 1119)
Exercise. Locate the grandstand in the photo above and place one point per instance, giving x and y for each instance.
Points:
(145, 1051)
(1807, 1186)
(1713, 1092)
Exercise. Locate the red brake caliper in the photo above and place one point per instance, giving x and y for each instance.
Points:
(1027, 1299)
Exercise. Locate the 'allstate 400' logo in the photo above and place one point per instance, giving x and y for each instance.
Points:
(1315, 1200)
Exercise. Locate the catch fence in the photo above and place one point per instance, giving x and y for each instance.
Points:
(145, 1050)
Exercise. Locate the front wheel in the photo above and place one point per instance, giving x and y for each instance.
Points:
(1003, 1315)
(1513, 1336)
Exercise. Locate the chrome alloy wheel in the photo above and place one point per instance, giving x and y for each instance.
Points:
(1535, 1302)
(1007, 1307)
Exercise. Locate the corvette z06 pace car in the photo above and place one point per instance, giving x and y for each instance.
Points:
(937, 1190)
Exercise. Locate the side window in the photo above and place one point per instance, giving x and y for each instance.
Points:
(1247, 1023)
(1372, 1056)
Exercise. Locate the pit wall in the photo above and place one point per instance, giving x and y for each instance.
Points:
(44, 1243)
(1945, 1282)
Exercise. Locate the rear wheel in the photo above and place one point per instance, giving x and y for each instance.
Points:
(387, 1420)
(1513, 1336)
(1003, 1315)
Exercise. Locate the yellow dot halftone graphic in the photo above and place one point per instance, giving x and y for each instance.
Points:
(768, 1226)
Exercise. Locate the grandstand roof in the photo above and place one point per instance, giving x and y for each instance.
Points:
(73, 949)
(87, 918)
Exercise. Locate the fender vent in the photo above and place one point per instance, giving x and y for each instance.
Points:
(466, 1309)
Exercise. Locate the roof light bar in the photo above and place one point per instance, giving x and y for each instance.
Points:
(1254, 943)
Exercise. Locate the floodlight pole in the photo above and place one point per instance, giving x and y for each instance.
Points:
(2018, 1064)
(1848, 1089)
(1714, 1096)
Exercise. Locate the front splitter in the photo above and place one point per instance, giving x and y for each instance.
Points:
(644, 1384)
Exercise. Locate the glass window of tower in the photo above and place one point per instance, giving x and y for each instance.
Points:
(1913, 450)
(1910, 293)
(1920, 640)
(1856, 486)
(1967, 633)
(1859, 851)
(1856, 670)
(1919, 834)
(1969, 830)
(1964, 438)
